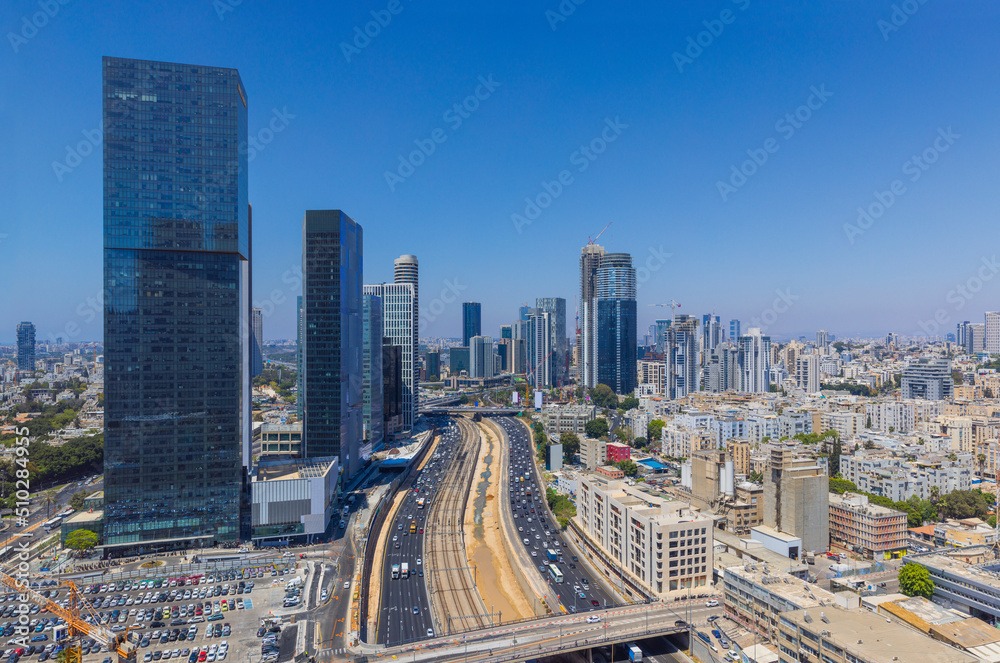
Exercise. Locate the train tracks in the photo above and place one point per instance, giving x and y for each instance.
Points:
(450, 579)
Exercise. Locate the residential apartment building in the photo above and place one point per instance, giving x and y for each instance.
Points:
(796, 499)
(874, 531)
(593, 452)
(665, 546)
(896, 416)
(927, 378)
(559, 419)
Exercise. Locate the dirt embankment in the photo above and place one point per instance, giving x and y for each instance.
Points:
(484, 547)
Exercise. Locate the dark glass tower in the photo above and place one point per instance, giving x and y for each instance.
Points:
(616, 323)
(332, 324)
(176, 304)
(26, 347)
(472, 321)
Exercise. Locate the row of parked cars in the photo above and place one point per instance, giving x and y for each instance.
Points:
(269, 648)
(209, 654)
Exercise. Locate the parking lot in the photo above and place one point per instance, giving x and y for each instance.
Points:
(201, 618)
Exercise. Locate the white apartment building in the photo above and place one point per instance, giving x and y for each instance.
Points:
(665, 546)
(847, 424)
(559, 419)
(991, 333)
(901, 417)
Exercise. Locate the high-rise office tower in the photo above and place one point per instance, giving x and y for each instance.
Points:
(590, 261)
(822, 338)
(522, 313)
(506, 331)
(300, 344)
(472, 321)
(682, 372)
(711, 333)
(962, 333)
(538, 347)
(372, 387)
(559, 356)
(481, 362)
(755, 362)
(392, 383)
(406, 270)
(332, 250)
(177, 229)
(256, 342)
(807, 372)
(616, 323)
(991, 337)
(662, 335)
(734, 331)
(397, 324)
(976, 340)
(26, 346)
(432, 365)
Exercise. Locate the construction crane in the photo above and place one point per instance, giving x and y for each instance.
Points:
(591, 241)
(76, 625)
(672, 306)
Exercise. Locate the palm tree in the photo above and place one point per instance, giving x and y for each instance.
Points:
(48, 499)
(981, 459)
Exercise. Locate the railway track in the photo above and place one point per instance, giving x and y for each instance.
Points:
(450, 580)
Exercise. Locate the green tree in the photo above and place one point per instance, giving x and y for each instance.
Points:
(628, 467)
(654, 430)
(629, 403)
(597, 428)
(841, 486)
(640, 443)
(756, 477)
(622, 434)
(603, 396)
(76, 502)
(981, 462)
(961, 504)
(571, 445)
(49, 497)
(834, 462)
(82, 540)
(915, 580)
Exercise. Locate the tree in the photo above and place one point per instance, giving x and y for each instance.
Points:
(640, 443)
(654, 430)
(756, 477)
(629, 403)
(961, 504)
(76, 502)
(981, 461)
(597, 428)
(628, 467)
(834, 462)
(603, 396)
(841, 486)
(570, 444)
(49, 497)
(622, 434)
(82, 540)
(915, 580)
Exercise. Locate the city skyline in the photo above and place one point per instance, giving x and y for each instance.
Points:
(656, 178)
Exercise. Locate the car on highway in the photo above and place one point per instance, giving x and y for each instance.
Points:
(593, 619)
(416, 610)
(430, 633)
(594, 603)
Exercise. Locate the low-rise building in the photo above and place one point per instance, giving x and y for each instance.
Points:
(610, 472)
(963, 580)
(874, 531)
(964, 533)
(559, 419)
(88, 520)
(593, 452)
(664, 546)
(615, 452)
(833, 635)
(293, 499)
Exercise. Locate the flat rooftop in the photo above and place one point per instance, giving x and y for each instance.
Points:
(786, 586)
(307, 468)
(953, 565)
(85, 517)
(878, 641)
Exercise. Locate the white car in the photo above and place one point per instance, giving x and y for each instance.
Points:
(593, 619)
(347, 584)
(712, 604)
(419, 561)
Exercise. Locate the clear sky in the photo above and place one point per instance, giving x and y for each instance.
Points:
(665, 100)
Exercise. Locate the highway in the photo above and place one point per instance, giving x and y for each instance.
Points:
(397, 621)
(542, 534)
(551, 635)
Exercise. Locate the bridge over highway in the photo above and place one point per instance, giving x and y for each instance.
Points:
(537, 638)
(468, 409)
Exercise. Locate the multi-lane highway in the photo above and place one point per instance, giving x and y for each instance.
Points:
(539, 534)
(404, 611)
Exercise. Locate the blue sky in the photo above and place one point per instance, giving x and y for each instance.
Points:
(684, 115)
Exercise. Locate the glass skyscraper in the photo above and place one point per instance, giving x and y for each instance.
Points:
(331, 305)
(176, 304)
(617, 326)
(472, 321)
(26, 347)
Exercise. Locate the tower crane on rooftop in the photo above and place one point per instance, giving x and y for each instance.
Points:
(591, 241)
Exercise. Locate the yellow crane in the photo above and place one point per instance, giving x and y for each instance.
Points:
(76, 625)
